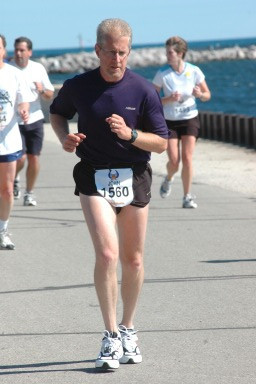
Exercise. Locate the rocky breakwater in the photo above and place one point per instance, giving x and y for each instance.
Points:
(143, 57)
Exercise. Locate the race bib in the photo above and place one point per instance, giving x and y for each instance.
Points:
(179, 110)
(115, 185)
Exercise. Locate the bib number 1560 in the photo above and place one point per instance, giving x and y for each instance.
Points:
(116, 191)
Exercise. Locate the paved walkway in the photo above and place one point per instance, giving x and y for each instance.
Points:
(197, 311)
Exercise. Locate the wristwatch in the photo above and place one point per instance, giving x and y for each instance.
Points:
(134, 135)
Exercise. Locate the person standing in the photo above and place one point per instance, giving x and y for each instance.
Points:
(14, 101)
(181, 84)
(32, 132)
(120, 122)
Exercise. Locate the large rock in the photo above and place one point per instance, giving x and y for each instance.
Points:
(143, 57)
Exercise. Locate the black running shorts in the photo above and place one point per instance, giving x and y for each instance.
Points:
(180, 128)
(32, 137)
(83, 174)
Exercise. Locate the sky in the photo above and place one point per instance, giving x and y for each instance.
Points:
(71, 23)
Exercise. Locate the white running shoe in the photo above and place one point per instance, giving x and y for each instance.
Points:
(29, 199)
(188, 201)
(132, 353)
(5, 241)
(166, 187)
(111, 351)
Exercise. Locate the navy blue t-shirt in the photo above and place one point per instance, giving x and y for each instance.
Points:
(133, 97)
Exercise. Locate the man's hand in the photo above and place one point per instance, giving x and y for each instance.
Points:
(72, 140)
(23, 109)
(118, 126)
(39, 86)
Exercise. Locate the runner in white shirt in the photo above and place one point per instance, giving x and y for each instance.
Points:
(33, 131)
(181, 83)
(14, 102)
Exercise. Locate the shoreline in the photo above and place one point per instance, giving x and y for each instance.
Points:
(143, 57)
(219, 164)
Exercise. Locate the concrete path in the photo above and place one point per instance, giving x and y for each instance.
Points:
(196, 315)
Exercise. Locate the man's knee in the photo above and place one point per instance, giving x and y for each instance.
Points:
(33, 159)
(106, 259)
(6, 193)
(134, 262)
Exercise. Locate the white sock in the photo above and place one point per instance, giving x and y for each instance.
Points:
(3, 225)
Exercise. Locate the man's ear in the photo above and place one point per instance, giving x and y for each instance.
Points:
(97, 49)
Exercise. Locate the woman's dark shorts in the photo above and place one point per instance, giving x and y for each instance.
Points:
(180, 128)
(83, 174)
(32, 137)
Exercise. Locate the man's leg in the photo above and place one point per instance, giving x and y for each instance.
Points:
(132, 226)
(31, 176)
(7, 174)
(20, 164)
(101, 220)
(34, 144)
(32, 172)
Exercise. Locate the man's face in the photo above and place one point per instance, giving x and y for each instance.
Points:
(22, 54)
(113, 55)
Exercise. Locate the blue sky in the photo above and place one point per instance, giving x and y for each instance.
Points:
(58, 23)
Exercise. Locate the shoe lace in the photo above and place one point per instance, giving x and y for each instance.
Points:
(129, 337)
(109, 343)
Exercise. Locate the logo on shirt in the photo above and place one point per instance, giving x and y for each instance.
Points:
(5, 97)
(130, 108)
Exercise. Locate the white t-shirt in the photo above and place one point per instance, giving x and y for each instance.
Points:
(171, 81)
(35, 72)
(13, 91)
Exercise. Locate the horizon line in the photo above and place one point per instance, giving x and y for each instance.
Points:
(145, 44)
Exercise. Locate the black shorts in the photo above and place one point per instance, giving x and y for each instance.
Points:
(180, 128)
(32, 137)
(83, 174)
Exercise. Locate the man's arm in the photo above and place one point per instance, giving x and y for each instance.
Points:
(23, 109)
(68, 140)
(46, 94)
(147, 141)
(150, 142)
